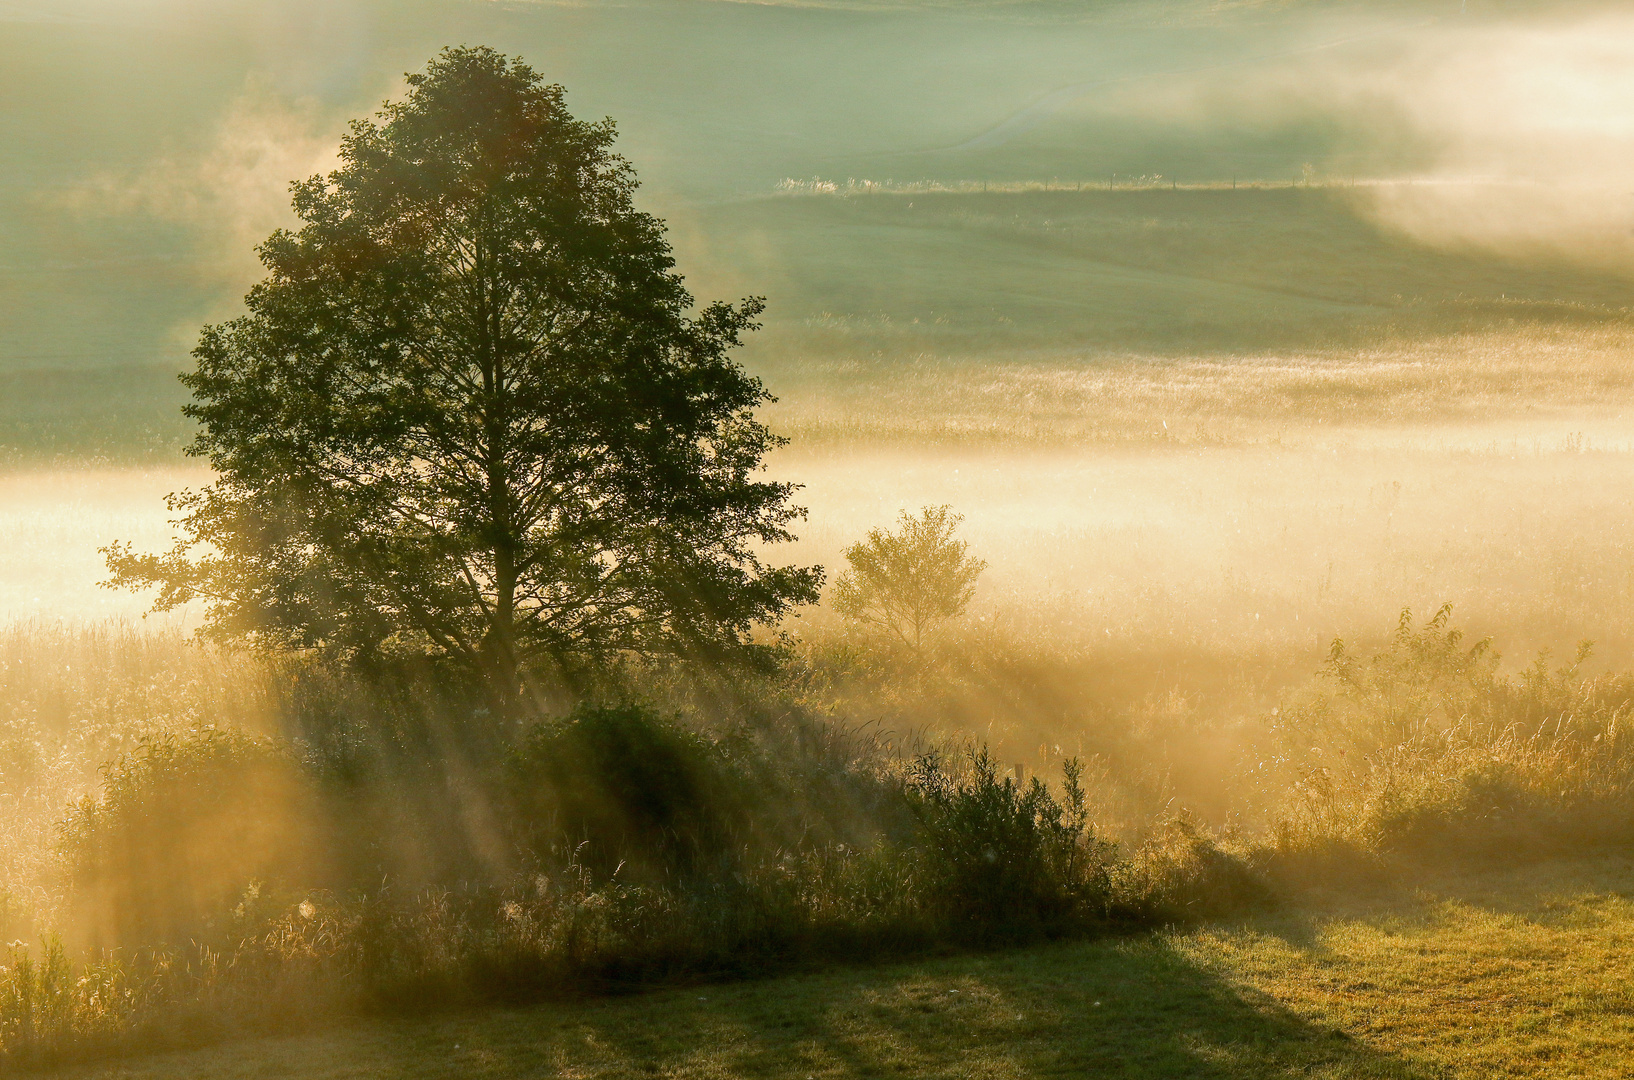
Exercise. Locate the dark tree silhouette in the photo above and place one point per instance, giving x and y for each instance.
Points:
(471, 412)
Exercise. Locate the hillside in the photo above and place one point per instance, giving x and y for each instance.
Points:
(863, 287)
(1124, 271)
(149, 147)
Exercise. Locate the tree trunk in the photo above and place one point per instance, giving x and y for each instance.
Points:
(499, 645)
(504, 670)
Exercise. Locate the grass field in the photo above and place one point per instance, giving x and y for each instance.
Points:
(1513, 974)
(1148, 270)
(1201, 315)
(1221, 505)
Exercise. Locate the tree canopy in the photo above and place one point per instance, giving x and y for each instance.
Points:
(473, 413)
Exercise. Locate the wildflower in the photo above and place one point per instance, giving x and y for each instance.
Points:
(306, 909)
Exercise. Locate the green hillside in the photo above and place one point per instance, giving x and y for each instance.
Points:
(125, 135)
(1157, 270)
(146, 147)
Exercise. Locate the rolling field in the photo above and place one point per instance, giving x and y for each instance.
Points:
(939, 275)
(149, 147)
(1082, 315)
(1517, 974)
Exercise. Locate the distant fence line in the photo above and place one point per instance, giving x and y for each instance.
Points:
(1113, 181)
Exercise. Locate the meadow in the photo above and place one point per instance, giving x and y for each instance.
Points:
(1158, 603)
(1272, 743)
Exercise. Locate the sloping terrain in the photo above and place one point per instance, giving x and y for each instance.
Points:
(1195, 270)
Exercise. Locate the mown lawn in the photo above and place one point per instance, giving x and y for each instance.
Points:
(1513, 973)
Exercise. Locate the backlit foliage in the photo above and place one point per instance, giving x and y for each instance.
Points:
(910, 581)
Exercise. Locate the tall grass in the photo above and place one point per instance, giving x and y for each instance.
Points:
(1427, 750)
(617, 877)
(75, 699)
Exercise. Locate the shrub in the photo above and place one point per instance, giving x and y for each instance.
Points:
(1000, 858)
(36, 1003)
(1427, 750)
(182, 824)
(620, 786)
(1182, 874)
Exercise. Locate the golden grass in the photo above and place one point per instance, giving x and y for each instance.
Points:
(1515, 974)
(1249, 550)
(1194, 572)
(74, 697)
(1457, 382)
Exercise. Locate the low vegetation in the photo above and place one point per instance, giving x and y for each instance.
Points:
(327, 848)
(1466, 975)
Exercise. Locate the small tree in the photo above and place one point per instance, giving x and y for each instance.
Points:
(909, 581)
(471, 413)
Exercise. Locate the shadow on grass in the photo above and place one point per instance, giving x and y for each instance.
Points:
(1131, 1008)
(1572, 888)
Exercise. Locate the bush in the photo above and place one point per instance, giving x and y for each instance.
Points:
(614, 787)
(1182, 874)
(182, 824)
(36, 1003)
(1427, 751)
(999, 858)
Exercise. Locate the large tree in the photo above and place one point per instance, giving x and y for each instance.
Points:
(473, 413)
